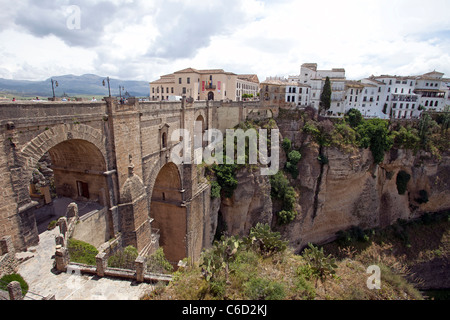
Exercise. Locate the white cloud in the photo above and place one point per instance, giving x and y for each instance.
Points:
(144, 39)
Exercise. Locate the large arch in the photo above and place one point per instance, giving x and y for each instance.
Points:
(169, 213)
(79, 163)
(36, 148)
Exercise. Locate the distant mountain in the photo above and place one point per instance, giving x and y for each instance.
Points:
(88, 84)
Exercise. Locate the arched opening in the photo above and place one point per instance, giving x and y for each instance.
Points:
(211, 96)
(71, 171)
(168, 213)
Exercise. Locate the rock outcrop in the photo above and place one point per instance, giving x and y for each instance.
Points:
(250, 203)
(350, 190)
(354, 191)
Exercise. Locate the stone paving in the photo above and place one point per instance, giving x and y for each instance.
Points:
(43, 280)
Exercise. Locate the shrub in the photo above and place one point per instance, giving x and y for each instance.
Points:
(264, 289)
(5, 280)
(354, 117)
(82, 252)
(402, 181)
(281, 190)
(265, 240)
(226, 178)
(407, 138)
(294, 157)
(321, 266)
(287, 216)
(158, 263)
(286, 145)
(215, 189)
(374, 134)
(124, 259)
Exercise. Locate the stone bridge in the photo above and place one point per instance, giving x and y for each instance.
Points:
(118, 156)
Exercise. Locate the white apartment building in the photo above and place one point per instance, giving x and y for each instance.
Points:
(309, 75)
(385, 96)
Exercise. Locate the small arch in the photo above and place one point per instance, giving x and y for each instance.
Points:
(168, 212)
(210, 96)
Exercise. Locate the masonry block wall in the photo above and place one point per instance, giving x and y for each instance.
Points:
(93, 144)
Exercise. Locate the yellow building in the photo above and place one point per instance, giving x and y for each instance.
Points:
(214, 84)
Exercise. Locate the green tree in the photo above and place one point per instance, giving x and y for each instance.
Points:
(354, 117)
(325, 97)
(374, 134)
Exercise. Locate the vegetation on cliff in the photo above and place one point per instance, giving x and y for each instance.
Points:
(353, 131)
(262, 267)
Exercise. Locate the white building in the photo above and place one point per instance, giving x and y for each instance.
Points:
(385, 96)
(315, 79)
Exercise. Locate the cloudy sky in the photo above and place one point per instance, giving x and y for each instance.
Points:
(143, 39)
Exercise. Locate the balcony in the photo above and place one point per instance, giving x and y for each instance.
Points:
(210, 87)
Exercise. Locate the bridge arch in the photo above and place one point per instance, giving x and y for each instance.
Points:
(169, 212)
(33, 151)
(79, 163)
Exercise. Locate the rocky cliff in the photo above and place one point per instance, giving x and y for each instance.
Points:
(350, 190)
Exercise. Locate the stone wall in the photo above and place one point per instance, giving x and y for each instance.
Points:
(92, 228)
(8, 261)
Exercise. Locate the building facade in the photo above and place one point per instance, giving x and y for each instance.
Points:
(385, 96)
(214, 84)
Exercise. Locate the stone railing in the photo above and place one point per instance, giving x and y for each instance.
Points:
(63, 263)
(8, 261)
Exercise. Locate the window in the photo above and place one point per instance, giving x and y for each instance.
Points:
(436, 103)
(153, 90)
(184, 90)
(396, 90)
(426, 103)
(167, 90)
(172, 90)
(188, 80)
(179, 80)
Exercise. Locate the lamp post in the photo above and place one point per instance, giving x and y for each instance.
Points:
(54, 84)
(109, 87)
(121, 88)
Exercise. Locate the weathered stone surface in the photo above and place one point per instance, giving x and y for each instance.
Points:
(251, 203)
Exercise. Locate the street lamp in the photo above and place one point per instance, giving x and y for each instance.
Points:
(54, 84)
(109, 87)
(121, 88)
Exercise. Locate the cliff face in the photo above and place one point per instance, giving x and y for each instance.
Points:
(250, 204)
(352, 191)
(348, 191)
